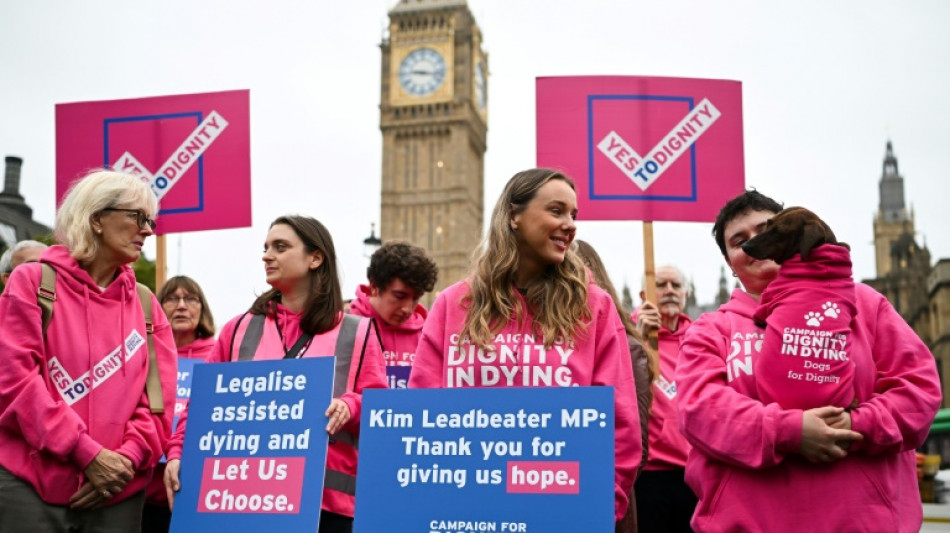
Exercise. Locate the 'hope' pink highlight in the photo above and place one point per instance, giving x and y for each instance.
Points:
(544, 477)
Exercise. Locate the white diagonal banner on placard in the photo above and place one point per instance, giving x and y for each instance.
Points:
(181, 159)
(644, 171)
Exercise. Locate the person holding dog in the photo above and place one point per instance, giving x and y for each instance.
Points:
(807, 312)
(664, 501)
(760, 467)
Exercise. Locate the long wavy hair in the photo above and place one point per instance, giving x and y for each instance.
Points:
(557, 297)
(592, 259)
(324, 306)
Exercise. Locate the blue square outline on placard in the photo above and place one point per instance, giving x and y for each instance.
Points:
(201, 168)
(591, 98)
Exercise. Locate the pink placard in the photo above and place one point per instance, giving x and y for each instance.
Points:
(643, 148)
(194, 151)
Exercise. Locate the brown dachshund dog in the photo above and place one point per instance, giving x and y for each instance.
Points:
(791, 231)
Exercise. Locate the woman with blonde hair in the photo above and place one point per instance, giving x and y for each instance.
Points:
(79, 432)
(528, 284)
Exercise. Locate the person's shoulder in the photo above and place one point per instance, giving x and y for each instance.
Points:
(461, 286)
(24, 280)
(718, 320)
(232, 324)
(866, 294)
(597, 297)
(453, 294)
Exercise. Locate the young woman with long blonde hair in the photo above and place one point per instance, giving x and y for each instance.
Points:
(530, 294)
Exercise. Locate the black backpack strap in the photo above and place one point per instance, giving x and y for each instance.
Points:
(46, 294)
(153, 382)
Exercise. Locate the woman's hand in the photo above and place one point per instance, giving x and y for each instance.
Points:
(826, 434)
(109, 472)
(339, 414)
(172, 484)
(88, 497)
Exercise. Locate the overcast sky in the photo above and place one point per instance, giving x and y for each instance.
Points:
(825, 85)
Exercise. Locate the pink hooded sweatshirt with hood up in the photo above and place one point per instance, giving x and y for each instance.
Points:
(744, 466)
(600, 358)
(399, 341)
(808, 311)
(63, 401)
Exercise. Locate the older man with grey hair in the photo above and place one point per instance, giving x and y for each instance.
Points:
(16, 255)
(664, 501)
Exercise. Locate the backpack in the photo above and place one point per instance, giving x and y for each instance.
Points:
(46, 295)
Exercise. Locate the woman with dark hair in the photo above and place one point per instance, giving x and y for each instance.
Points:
(187, 311)
(528, 283)
(759, 467)
(302, 316)
(646, 366)
(80, 432)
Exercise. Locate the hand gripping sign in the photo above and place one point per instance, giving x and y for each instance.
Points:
(644, 148)
(193, 150)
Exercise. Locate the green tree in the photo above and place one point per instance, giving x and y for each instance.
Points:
(145, 271)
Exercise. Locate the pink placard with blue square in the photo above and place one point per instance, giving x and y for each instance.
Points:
(193, 150)
(643, 148)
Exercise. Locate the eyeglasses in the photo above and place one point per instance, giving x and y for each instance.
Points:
(140, 217)
(172, 300)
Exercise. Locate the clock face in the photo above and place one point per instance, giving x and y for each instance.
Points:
(422, 71)
(480, 93)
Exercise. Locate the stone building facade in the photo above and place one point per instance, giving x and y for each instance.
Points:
(16, 217)
(918, 290)
(433, 118)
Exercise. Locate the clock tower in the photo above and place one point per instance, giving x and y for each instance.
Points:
(433, 117)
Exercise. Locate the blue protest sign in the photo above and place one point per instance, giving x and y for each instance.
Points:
(255, 446)
(477, 459)
(183, 391)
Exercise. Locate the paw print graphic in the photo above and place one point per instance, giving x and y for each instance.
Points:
(831, 309)
(813, 319)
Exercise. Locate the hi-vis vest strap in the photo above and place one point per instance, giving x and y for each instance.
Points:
(343, 352)
(46, 295)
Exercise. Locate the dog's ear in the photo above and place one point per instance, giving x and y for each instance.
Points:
(813, 234)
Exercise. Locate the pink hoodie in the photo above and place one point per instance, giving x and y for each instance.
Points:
(808, 309)
(601, 358)
(668, 448)
(340, 456)
(399, 342)
(52, 423)
(744, 466)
